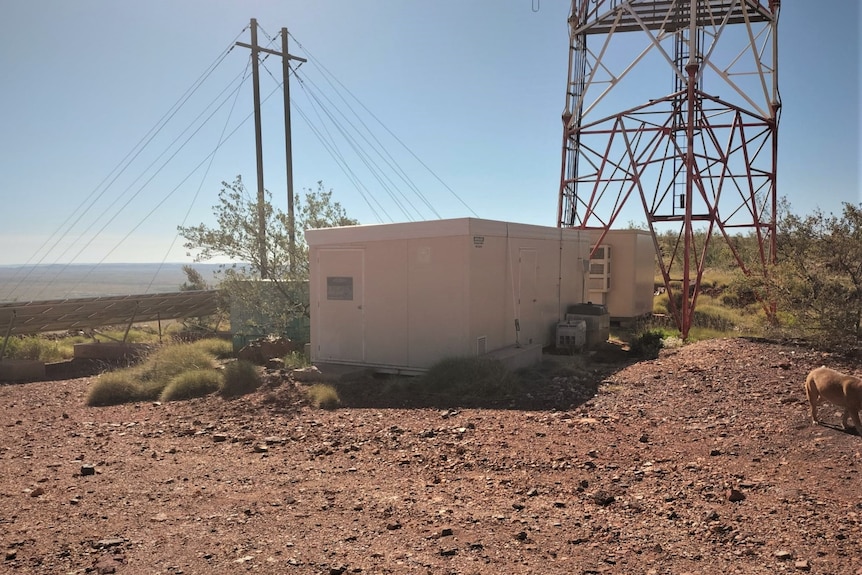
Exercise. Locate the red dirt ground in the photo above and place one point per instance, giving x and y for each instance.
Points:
(701, 461)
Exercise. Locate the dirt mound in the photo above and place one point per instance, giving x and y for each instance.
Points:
(701, 461)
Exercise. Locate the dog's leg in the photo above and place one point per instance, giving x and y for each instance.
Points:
(854, 415)
(845, 418)
(813, 399)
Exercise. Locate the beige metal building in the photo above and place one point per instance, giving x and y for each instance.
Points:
(622, 273)
(401, 297)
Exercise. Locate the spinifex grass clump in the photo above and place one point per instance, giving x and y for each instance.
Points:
(148, 380)
(113, 388)
(168, 362)
(189, 384)
(323, 396)
(240, 377)
(217, 347)
(469, 378)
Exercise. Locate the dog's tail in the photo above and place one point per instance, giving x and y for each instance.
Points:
(810, 384)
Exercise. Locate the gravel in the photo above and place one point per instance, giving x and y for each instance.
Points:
(701, 461)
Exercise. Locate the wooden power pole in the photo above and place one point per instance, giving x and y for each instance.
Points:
(258, 139)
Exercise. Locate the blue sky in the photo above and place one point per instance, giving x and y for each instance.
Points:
(466, 98)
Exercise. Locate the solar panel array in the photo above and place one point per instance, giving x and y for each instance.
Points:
(26, 318)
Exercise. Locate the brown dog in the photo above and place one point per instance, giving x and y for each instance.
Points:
(824, 384)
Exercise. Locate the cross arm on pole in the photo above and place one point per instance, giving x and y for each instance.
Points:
(273, 52)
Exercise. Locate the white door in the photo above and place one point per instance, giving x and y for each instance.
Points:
(340, 323)
(528, 297)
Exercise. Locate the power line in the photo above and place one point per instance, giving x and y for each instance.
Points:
(87, 204)
(199, 188)
(170, 193)
(379, 174)
(397, 139)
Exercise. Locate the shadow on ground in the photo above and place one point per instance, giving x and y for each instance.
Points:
(559, 382)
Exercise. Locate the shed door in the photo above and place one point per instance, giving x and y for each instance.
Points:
(528, 306)
(340, 314)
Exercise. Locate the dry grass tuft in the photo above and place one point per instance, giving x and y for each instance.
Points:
(323, 396)
(240, 378)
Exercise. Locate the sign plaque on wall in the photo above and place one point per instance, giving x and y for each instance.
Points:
(339, 288)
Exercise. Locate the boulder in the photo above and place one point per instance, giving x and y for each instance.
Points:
(263, 349)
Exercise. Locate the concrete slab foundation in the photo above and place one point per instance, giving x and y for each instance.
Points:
(517, 357)
(333, 373)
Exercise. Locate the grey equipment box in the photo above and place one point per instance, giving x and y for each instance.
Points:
(572, 335)
(597, 319)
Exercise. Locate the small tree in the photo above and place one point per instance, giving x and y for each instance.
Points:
(817, 282)
(236, 236)
(317, 210)
(194, 280)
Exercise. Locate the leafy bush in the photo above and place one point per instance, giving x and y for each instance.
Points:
(817, 283)
(240, 377)
(114, 388)
(189, 384)
(648, 344)
(39, 348)
(323, 396)
(741, 292)
(296, 360)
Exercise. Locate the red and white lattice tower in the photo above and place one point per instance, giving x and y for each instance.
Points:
(674, 104)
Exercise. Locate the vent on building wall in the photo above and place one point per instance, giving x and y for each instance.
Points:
(600, 269)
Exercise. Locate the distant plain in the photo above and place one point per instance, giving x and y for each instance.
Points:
(59, 281)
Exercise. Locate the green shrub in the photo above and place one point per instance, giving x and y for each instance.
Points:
(45, 349)
(114, 388)
(240, 377)
(740, 293)
(189, 384)
(648, 344)
(296, 360)
(323, 396)
(59, 350)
